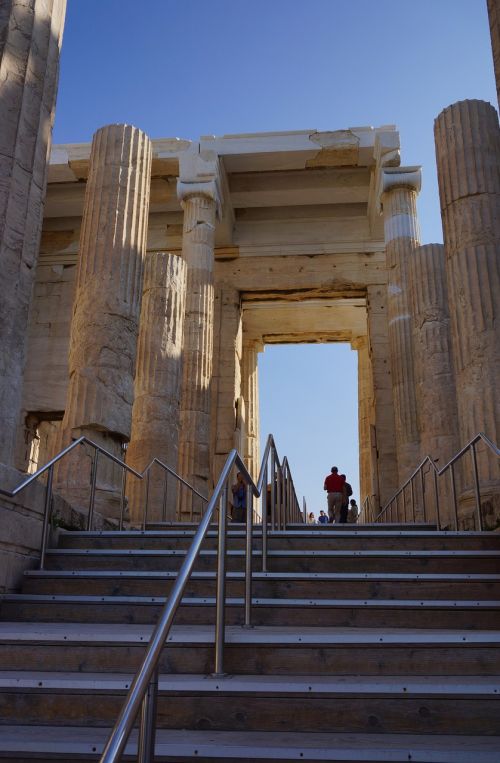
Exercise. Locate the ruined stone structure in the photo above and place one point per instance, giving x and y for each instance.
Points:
(246, 240)
(249, 240)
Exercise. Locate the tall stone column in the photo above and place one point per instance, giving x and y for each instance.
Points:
(199, 195)
(30, 42)
(155, 413)
(434, 374)
(383, 433)
(228, 417)
(367, 453)
(104, 326)
(399, 199)
(468, 161)
(250, 390)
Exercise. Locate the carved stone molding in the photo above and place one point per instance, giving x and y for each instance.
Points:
(200, 175)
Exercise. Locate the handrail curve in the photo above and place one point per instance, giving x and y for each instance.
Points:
(147, 674)
(85, 440)
(428, 461)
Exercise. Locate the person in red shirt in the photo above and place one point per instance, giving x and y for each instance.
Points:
(335, 490)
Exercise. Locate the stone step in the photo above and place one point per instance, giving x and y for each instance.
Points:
(88, 647)
(343, 704)
(370, 613)
(53, 743)
(301, 526)
(268, 584)
(328, 538)
(479, 562)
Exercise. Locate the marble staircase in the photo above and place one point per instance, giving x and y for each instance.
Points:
(370, 643)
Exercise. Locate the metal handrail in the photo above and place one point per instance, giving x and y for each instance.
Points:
(143, 689)
(49, 467)
(428, 462)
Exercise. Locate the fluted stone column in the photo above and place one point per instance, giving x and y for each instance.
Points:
(30, 42)
(250, 390)
(155, 413)
(494, 17)
(399, 198)
(104, 326)
(434, 374)
(367, 453)
(199, 196)
(468, 160)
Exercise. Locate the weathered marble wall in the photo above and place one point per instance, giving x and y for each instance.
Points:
(30, 41)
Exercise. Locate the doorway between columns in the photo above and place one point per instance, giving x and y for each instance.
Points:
(308, 395)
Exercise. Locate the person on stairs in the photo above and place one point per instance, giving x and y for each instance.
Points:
(345, 501)
(353, 514)
(334, 486)
(239, 491)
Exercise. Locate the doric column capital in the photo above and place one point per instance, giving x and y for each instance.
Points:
(200, 175)
(400, 177)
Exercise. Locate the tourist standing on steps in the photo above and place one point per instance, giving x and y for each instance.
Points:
(239, 491)
(311, 519)
(334, 486)
(345, 502)
(353, 514)
(322, 519)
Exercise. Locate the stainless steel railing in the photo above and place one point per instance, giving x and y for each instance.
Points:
(411, 496)
(97, 451)
(284, 508)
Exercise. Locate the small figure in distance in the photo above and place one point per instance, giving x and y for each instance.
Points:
(322, 519)
(345, 501)
(239, 491)
(311, 519)
(353, 514)
(334, 486)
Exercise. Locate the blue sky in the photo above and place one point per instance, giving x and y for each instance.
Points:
(187, 68)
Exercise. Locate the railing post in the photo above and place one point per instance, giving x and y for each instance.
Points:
(273, 490)
(147, 731)
(220, 614)
(278, 496)
(93, 477)
(436, 497)
(46, 516)
(164, 505)
(476, 486)
(264, 521)
(412, 498)
(122, 498)
(146, 504)
(248, 559)
(422, 490)
(454, 494)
